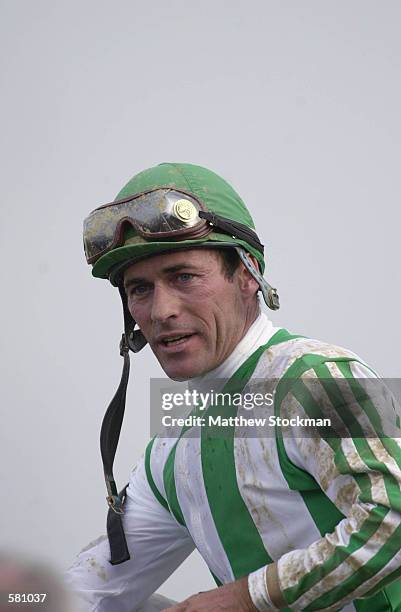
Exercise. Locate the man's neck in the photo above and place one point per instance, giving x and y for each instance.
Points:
(258, 333)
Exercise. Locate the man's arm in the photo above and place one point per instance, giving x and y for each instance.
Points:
(232, 597)
(157, 545)
(360, 474)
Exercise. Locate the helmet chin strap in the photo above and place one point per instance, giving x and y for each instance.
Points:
(133, 340)
(109, 436)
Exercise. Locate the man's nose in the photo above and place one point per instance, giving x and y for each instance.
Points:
(164, 304)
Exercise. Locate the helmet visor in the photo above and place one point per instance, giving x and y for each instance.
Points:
(158, 214)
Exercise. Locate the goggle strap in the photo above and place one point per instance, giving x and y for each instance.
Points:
(234, 228)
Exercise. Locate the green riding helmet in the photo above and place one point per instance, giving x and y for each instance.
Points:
(166, 208)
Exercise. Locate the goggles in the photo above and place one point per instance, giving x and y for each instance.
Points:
(160, 214)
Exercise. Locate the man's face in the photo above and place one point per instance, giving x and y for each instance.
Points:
(189, 312)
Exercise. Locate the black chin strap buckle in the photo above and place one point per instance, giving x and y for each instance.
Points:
(115, 503)
(124, 348)
(114, 500)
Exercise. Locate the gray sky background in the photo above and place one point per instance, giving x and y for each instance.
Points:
(297, 104)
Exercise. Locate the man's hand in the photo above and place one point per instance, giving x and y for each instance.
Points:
(232, 597)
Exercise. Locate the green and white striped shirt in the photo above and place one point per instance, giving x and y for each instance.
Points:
(327, 510)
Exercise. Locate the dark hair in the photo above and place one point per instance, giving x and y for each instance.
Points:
(230, 262)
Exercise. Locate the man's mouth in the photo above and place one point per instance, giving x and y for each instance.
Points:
(174, 340)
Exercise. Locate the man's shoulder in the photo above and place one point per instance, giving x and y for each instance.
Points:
(288, 352)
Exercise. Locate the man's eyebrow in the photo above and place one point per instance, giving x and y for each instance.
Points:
(178, 267)
(136, 280)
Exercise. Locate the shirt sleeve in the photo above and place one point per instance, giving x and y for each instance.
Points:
(356, 463)
(157, 545)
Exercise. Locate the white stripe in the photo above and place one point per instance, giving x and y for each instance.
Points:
(346, 569)
(383, 399)
(374, 442)
(280, 514)
(194, 505)
(390, 567)
(315, 386)
(322, 550)
(342, 489)
(278, 365)
(257, 588)
(294, 565)
(378, 489)
(351, 401)
(278, 358)
(379, 494)
(160, 451)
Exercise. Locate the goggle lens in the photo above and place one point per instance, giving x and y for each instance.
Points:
(162, 213)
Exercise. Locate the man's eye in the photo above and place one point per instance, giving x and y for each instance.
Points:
(139, 290)
(185, 276)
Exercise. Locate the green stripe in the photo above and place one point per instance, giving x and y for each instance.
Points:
(322, 510)
(379, 601)
(357, 540)
(169, 477)
(369, 527)
(361, 396)
(363, 574)
(312, 409)
(170, 487)
(298, 479)
(391, 596)
(369, 408)
(151, 482)
(237, 530)
(389, 581)
(358, 435)
(340, 554)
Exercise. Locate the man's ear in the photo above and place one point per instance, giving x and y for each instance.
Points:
(254, 261)
(247, 280)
